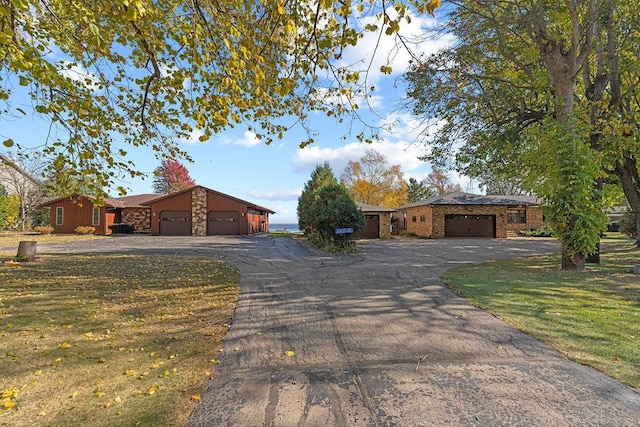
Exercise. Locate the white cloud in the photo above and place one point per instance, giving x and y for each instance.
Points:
(378, 50)
(398, 153)
(249, 139)
(194, 137)
(283, 195)
(80, 75)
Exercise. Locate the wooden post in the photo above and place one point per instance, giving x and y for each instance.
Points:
(27, 251)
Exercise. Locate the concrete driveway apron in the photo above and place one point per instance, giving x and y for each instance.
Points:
(374, 339)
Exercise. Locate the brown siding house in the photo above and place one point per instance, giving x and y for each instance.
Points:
(68, 213)
(200, 211)
(471, 215)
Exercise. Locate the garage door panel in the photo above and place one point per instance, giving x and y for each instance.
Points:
(223, 223)
(175, 223)
(470, 226)
(371, 228)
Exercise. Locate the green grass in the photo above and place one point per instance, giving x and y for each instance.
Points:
(593, 317)
(106, 340)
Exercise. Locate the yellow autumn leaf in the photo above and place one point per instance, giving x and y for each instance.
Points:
(9, 393)
(42, 414)
(289, 353)
(196, 397)
(9, 405)
(65, 345)
(129, 372)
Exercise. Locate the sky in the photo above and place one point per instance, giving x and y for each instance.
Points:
(236, 163)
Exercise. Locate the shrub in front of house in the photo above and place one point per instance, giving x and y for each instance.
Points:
(85, 229)
(43, 229)
(544, 231)
(121, 228)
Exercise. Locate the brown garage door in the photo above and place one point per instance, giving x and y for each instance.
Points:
(223, 222)
(371, 228)
(470, 226)
(175, 223)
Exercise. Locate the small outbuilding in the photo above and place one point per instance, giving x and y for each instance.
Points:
(377, 222)
(471, 215)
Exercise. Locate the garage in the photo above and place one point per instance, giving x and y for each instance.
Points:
(470, 226)
(371, 228)
(223, 222)
(175, 223)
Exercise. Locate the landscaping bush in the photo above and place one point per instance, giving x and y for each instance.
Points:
(85, 229)
(627, 224)
(43, 229)
(121, 228)
(544, 231)
(405, 233)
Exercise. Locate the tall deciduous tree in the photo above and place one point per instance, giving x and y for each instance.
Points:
(171, 176)
(110, 74)
(440, 183)
(508, 89)
(320, 177)
(374, 181)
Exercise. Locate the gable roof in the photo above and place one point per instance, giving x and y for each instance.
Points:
(364, 207)
(249, 204)
(459, 198)
(133, 201)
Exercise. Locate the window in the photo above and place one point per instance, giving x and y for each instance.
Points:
(413, 218)
(423, 218)
(59, 215)
(516, 216)
(96, 215)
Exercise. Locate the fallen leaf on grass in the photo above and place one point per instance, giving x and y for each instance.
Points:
(10, 404)
(289, 353)
(196, 398)
(129, 372)
(65, 345)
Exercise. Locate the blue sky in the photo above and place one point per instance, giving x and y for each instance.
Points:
(235, 163)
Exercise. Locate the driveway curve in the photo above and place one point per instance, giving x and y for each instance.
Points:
(375, 339)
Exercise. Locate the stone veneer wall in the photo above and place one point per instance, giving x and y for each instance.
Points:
(140, 218)
(199, 212)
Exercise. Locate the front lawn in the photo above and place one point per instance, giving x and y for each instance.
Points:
(111, 339)
(593, 317)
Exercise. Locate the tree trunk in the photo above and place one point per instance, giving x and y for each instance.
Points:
(627, 172)
(576, 263)
(27, 251)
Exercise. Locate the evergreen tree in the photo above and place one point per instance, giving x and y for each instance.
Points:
(320, 177)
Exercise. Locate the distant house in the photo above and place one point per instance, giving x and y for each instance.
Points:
(197, 211)
(377, 222)
(471, 215)
(16, 180)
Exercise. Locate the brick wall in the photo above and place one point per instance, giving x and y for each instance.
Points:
(199, 212)
(420, 227)
(534, 220)
(140, 218)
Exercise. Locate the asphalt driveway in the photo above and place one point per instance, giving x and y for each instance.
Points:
(374, 339)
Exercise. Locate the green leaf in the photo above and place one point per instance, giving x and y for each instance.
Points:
(8, 143)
